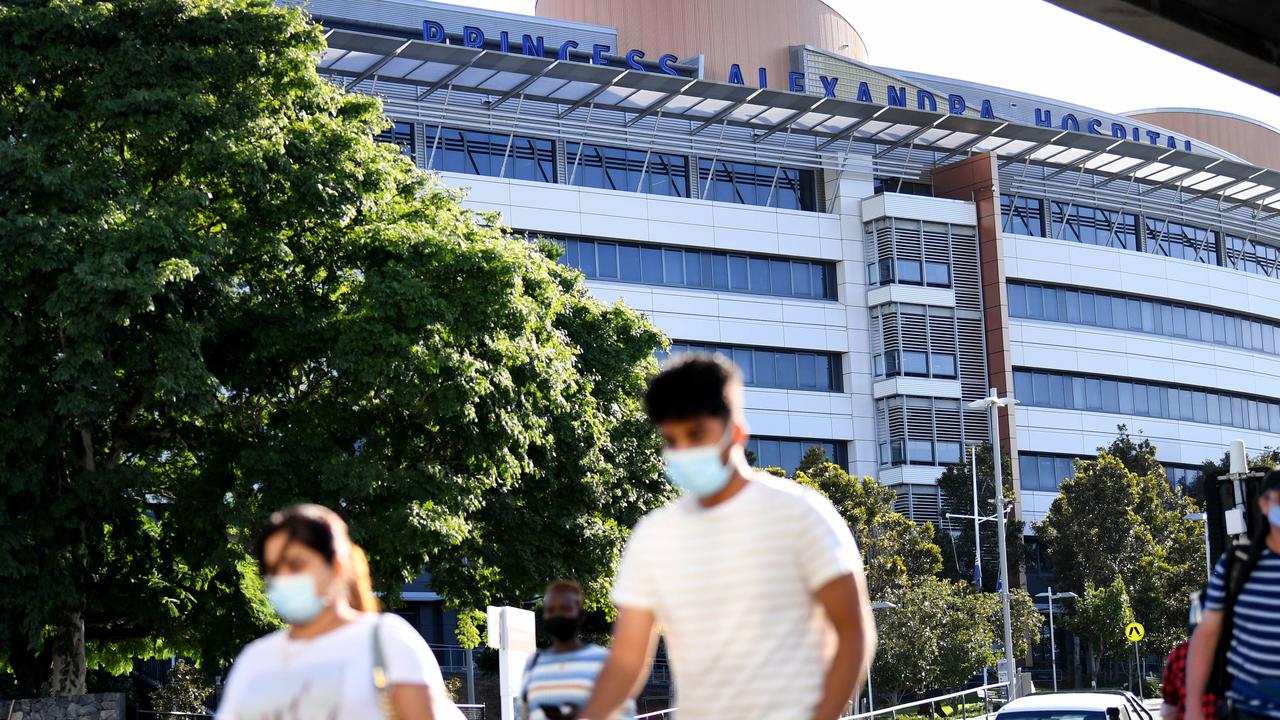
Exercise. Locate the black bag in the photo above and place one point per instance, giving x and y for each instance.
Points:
(1242, 557)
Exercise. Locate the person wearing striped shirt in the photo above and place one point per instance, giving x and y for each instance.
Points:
(755, 581)
(558, 680)
(1253, 656)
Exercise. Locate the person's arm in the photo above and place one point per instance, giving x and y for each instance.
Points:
(1200, 657)
(627, 665)
(411, 702)
(848, 608)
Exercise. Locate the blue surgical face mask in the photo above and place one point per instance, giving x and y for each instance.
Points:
(699, 471)
(1273, 515)
(294, 598)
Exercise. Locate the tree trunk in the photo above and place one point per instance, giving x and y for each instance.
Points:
(67, 664)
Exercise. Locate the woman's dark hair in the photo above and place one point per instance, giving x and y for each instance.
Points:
(694, 385)
(320, 529)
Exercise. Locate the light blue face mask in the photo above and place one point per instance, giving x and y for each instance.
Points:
(294, 598)
(699, 471)
(1273, 515)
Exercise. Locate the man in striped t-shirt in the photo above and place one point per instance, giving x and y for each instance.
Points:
(1253, 656)
(755, 581)
(558, 680)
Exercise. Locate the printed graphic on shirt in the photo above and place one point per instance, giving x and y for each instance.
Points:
(313, 692)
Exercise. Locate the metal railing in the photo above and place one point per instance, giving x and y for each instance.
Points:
(983, 692)
(451, 658)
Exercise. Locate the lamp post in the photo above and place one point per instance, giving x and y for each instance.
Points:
(871, 699)
(1208, 561)
(1053, 640)
(991, 403)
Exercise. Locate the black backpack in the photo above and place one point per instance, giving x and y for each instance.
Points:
(1242, 557)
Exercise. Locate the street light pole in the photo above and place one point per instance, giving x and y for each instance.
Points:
(977, 522)
(1053, 638)
(871, 698)
(991, 403)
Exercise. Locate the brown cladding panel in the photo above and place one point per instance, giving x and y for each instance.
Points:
(1249, 140)
(752, 33)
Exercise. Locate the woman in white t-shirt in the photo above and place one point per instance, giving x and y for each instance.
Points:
(339, 658)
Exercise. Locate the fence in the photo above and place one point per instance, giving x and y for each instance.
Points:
(983, 694)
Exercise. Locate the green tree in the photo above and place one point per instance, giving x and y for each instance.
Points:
(186, 691)
(1137, 520)
(936, 637)
(222, 296)
(956, 486)
(1025, 621)
(895, 550)
(1101, 614)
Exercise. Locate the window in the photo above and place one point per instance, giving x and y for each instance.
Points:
(915, 363)
(1022, 215)
(937, 274)
(949, 453)
(770, 368)
(629, 170)
(1177, 240)
(1114, 395)
(1251, 255)
(786, 453)
(688, 267)
(908, 272)
(1094, 226)
(920, 452)
(400, 133)
(943, 365)
(1154, 317)
(898, 185)
(494, 155)
(750, 184)
(1044, 472)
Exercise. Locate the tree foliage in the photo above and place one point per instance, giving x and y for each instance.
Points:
(221, 296)
(957, 540)
(938, 634)
(186, 691)
(896, 551)
(1122, 503)
(1101, 614)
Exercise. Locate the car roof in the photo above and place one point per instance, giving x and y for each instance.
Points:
(1066, 701)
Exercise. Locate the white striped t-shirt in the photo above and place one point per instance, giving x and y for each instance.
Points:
(562, 682)
(1253, 657)
(732, 587)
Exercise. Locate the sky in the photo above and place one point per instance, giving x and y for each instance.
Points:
(1034, 47)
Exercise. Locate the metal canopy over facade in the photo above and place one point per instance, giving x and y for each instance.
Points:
(825, 121)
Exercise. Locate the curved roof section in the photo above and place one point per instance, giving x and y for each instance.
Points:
(1251, 139)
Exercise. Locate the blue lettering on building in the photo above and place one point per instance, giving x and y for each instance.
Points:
(896, 95)
(535, 46)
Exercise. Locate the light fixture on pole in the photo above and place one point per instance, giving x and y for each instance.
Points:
(871, 699)
(1053, 640)
(991, 403)
(1208, 561)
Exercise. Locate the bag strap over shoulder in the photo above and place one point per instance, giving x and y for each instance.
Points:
(1242, 558)
(380, 683)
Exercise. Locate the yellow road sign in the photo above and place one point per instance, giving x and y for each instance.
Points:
(1134, 632)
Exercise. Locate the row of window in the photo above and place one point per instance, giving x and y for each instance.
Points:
(920, 452)
(520, 157)
(711, 270)
(913, 363)
(1156, 317)
(887, 271)
(1160, 236)
(1045, 471)
(1102, 394)
(786, 453)
(768, 368)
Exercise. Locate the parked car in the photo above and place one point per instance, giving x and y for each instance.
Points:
(1102, 705)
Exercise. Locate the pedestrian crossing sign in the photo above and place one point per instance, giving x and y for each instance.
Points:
(1134, 632)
